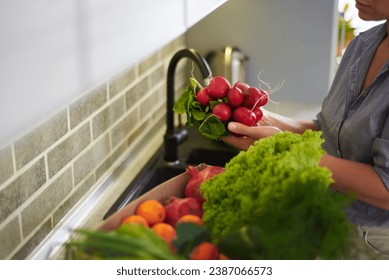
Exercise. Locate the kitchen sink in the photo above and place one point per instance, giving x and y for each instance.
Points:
(156, 172)
(144, 182)
(211, 157)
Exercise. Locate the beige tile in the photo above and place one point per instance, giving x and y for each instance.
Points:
(134, 94)
(91, 158)
(174, 46)
(40, 139)
(134, 136)
(9, 238)
(6, 170)
(34, 241)
(158, 75)
(121, 130)
(13, 195)
(160, 114)
(86, 105)
(148, 105)
(121, 81)
(182, 78)
(106, 118)
(73, 199)
(168, 50)
(70, 147)
(43, 205)
(105, 165)
(161, 95)
(180, 42)
(149, 124)
(148, 63)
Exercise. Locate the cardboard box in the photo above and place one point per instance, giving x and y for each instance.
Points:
(162, 192)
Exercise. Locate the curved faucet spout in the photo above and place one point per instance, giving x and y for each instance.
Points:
(205, 71)
(173, 137)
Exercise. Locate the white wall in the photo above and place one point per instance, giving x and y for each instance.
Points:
(53, 51)
(291, 40)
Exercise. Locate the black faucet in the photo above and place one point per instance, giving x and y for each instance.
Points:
(175, 136)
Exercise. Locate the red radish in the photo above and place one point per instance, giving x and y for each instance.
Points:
(203, 96)
(218, 87)
(197, 177)
(222, 111)
(242, 86)
(263, 99)
(235, 96)
(258, 114)
(178, 207)
(251, 96)
(244, 115)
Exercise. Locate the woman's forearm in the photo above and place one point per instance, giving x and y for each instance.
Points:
(357, 179)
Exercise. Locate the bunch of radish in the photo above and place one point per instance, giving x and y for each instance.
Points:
(239, 102)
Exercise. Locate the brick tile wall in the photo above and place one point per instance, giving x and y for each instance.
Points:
(49, 169)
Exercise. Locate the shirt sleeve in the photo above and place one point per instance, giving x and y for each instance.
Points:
(317, 121)
(380, 150)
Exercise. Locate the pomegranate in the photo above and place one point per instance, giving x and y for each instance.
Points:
(197, 177)
(178, 207)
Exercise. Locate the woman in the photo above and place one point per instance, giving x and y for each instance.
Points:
(355, 125)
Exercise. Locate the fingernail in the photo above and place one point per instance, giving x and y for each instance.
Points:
(232, 126)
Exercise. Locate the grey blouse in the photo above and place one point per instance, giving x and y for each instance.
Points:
(355, 123)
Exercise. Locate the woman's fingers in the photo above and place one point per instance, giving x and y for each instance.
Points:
(244, 136)
(255, 132)
(240, 142)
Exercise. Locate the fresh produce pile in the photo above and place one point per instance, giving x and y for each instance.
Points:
(210, 108)
(270, 202)
(165, 231)
(274, 200)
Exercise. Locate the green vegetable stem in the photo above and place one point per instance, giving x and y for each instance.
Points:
(198, 116)
(128, 242)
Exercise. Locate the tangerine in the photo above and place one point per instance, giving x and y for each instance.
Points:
(135, 219)
(189, 218)
(205, 251)
(152, 211)
(165, 231)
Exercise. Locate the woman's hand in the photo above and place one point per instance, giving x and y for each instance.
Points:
(249, 134)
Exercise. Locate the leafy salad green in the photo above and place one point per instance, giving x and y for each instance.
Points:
(198, 116)
(277, 188)
(135, 242)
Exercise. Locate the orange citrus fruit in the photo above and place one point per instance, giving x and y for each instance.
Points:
(152, 211)
(205, 251)
(189, 218)
(165, 231)
(135, 219)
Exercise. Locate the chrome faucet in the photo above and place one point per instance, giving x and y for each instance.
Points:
(174, 136)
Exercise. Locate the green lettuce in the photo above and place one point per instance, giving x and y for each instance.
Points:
(278, 188)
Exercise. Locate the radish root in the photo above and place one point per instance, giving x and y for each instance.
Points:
(269, 90)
